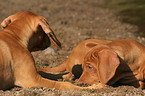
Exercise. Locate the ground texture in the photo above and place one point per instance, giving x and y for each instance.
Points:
(73, 21)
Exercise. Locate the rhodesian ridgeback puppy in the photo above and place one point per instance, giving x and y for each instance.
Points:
(23, 33)
(119, 62)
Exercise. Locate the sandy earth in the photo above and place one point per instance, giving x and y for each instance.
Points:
(72, 21)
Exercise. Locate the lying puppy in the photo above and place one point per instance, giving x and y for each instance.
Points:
(119, 62)
(23, 33)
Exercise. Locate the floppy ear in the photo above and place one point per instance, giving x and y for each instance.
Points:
(9, 20)
(108, 64)
(6, 22)
(46, 28)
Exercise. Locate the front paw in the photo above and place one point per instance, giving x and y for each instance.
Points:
(68, 77)
(98, 86)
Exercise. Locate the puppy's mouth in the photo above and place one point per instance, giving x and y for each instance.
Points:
(54, 39)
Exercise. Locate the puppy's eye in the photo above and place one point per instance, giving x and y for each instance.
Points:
(89, 67)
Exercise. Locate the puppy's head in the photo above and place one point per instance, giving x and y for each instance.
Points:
(99, 65)
(34, 27)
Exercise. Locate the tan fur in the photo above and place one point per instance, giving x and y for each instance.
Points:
(108, 62)
(23, 33)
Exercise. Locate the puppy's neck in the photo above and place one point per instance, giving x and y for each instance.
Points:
(20, 31)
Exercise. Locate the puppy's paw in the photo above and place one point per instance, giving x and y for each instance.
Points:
(98, 86)
(68, 77)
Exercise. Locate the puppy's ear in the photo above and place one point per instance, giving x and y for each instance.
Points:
(90, 45)
(108, 64)
(6, 22)
(46, 28)
(10, 19)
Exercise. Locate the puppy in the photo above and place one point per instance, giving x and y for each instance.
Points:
(23, 33)
(113, 63)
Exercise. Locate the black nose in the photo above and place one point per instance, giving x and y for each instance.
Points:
(77, 71)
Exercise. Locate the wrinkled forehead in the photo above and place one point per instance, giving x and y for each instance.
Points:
(93, 52)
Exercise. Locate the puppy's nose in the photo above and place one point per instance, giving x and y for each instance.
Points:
(77, 70)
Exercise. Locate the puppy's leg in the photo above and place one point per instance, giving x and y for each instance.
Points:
(60, 68)
(27, 76)
(37, 81)
(65, 85)
(42, 82)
